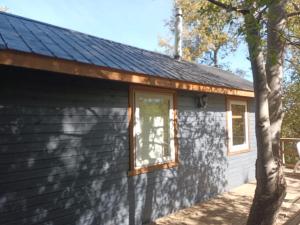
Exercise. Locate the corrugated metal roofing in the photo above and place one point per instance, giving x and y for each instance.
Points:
(26, 35)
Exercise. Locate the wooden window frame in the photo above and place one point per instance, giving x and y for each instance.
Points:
(239, 149)
(131, 115)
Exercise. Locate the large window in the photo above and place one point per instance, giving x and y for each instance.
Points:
(153, 129)
(237, 126)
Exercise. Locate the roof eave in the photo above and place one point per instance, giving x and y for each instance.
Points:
(40, 62)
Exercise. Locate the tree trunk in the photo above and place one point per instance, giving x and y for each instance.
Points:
(274, 69)
(215, 59)
(268, 194)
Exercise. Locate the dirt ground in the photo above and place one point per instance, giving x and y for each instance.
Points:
(232, 208)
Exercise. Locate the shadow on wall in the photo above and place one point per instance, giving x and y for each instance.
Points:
(64, 152)
(203, 140)
(203, 163)
(64, 155)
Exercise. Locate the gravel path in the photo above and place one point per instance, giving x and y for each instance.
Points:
(232, 207)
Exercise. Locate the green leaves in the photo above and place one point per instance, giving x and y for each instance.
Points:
(208, 30)
(291, 121)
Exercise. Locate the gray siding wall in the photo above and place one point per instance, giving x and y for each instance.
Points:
(64, 154)
(203, 142)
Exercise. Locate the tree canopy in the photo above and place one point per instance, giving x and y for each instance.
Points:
(291, 121)
(211, 32)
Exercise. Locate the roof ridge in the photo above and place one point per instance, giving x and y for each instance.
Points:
(90, 35)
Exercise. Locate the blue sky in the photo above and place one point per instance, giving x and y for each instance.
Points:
(135, 22)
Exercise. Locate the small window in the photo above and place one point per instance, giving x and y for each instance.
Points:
(237, 126)
(153, 129)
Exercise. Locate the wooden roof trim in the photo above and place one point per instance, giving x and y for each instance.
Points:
(34, 61)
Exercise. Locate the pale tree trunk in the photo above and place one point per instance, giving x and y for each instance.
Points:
(215, 58)
(213, 55)
(270, 189)
(274, 69)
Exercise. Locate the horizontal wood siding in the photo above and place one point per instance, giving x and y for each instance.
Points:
(64, 154)
(63, 150)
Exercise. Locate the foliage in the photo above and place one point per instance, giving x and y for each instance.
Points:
(291, 121)
(208, 32)
(292, 60)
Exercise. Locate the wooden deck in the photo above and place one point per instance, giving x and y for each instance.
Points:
(232, 207)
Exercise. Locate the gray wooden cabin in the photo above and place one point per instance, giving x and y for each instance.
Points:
(97, 132)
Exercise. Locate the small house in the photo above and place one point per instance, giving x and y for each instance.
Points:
(97, 132)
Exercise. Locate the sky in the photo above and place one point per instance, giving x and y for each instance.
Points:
(138, 23)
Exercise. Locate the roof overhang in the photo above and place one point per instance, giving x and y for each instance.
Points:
(39, 62)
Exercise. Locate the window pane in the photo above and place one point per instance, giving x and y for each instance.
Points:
(238, 124)
(152, 128)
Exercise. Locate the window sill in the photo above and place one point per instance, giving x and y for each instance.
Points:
(152, 168)
(238, 152)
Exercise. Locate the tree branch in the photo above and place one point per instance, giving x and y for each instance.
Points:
(297, 10)
(296, 7)
(291, 40)
(229, 8)
(297, 13)
(260, 13)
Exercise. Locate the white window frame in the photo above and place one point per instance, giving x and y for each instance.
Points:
(242, 147)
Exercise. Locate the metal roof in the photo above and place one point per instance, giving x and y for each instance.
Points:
(29, 36)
